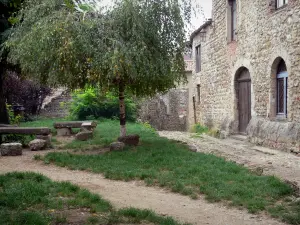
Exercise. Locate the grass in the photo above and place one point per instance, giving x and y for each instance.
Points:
(168, 164)
(32, 199)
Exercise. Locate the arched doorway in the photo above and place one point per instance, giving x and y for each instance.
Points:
(243, 93)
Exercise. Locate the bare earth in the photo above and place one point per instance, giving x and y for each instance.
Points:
(273, 162)
(182, 208)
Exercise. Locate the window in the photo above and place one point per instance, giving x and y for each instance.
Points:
(282, 89)
(198, 58)
(280, 3)
(233, 20)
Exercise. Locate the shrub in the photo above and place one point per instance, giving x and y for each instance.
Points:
(92, 103)
(28, 93)
(199, 129)
(15, 120)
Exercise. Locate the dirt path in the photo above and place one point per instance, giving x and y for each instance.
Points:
(135, 194)
(273, 162)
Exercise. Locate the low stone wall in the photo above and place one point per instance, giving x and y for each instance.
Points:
(167, 112)
(279, 135)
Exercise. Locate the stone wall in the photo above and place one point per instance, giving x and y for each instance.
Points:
(264, 35)
(169, 111)
(284, 136)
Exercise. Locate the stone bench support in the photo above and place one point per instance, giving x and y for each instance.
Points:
(65, 128)
(11, 149)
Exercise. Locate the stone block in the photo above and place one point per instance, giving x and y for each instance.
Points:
(87, 126)
(223, 134)
(132, 139)
(64, 132)
(11, 149)
(192, 148)
(46, 138)
(84, 135)
(117, 146)
(37, 145)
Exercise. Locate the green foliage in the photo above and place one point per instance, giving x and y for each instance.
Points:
(139, 43)
(148, 127)
(14, 119)
(199, 129)
(92, 103)
(32, 199)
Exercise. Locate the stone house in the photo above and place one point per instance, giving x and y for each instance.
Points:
(246, 73)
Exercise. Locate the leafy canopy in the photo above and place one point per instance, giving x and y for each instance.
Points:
(137, 42)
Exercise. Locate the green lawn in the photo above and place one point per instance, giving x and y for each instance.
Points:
(32, 199)
(161, 162)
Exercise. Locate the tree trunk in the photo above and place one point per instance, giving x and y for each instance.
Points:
(4, 119)
(122, 109)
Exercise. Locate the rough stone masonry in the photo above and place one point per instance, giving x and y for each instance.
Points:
(266, 35)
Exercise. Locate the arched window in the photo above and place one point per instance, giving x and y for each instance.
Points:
(282, 89)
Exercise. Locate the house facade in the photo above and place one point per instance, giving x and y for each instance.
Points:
(246, 71)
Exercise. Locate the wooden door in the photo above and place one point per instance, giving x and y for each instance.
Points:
(244, 101)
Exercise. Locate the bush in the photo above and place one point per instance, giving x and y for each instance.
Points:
(90, 103)
(15, 120)
(28, 93)
(199, 129)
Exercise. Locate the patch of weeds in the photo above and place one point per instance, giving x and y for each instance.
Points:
(60, 219)
(149, 182)
(93, 220)
(214, 133)
(199, 129)
(37, 157)
(194, 196)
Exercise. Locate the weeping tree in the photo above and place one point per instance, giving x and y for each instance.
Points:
(132, 46)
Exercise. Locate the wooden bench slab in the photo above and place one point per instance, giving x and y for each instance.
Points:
(72, 124)
(25, 130)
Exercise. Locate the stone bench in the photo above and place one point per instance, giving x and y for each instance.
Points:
(65, 128)
(25, 130)
(12, 149)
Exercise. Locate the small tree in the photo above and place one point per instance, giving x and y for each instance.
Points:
(135, 45)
